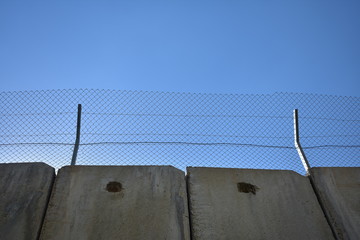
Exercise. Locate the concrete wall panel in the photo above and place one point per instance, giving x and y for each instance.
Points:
(118, 202)
(25, 189)
(339, 192)
(254, 204)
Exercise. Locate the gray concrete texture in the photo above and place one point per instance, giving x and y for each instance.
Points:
(25, 189)
(118, 202)
(254, 204)
(339, 193)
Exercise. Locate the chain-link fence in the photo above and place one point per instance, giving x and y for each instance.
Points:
(179, 129)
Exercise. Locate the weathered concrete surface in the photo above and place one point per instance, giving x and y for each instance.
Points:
(117, 202)
(25, 189)
(339, 192)
(254, 204)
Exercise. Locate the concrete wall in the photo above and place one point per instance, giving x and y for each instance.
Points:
(25, 189)
(339, 193)
(254, 204)
(90, 202)
(148, 202)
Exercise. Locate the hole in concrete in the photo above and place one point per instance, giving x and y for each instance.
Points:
(247, 188)
(114, 187)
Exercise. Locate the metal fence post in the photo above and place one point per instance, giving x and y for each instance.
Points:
(77, 140)
(297, 142)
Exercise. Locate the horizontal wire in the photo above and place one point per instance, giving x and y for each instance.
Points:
(326, 136)
(178, 115)
(169, 134)
(189, 143)
(135, 143)
(184, 115)
(39, 135)
(38, 143)
(33, 114)
(332, 146)
(332, 119)
(186, 143)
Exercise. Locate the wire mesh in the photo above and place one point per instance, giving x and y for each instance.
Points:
(179, 129)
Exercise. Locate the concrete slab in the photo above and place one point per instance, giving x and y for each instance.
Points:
(25, 189)
(118, 202)
(253, 204)
(339, 192)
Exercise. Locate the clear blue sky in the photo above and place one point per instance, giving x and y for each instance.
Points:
(242, 46)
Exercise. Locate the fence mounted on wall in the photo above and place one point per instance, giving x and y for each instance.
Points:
(179, 129)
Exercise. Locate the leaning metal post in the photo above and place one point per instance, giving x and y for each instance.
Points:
(307, 169)
(77, 141)
(297, 143)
